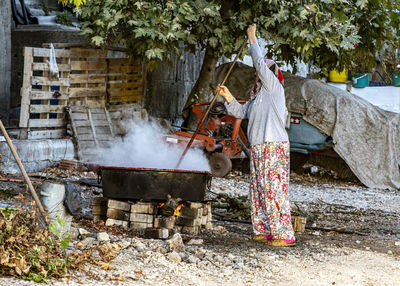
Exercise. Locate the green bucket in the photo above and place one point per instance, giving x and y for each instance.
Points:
(361, 79)
(396, 79)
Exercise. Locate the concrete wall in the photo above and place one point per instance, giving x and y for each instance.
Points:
(168, 89)
(5, 59)
(35, 155)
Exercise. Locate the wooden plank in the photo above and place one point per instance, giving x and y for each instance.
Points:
(126, 85)
(38, 94)
(88, 78)
(46, 108)
(88, 53)
(88, 66)
(38, 80)
(123, 69)
(124, 77)
(26, 88)
(79, 117)
(56, 122)
(109, 123)
(45, 67)
(47, 134)
(92, 127)
(45, 53)
(99, 137)
(81, 130)
(81, 123)
(87, 92)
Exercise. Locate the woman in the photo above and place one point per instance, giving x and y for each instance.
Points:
(266, 112)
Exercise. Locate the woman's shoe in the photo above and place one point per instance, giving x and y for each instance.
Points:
(261, 238)
(282, 243)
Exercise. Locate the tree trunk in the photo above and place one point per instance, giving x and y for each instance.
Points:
(203, 91)
(5, 59)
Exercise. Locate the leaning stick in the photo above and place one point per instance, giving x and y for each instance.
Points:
(21, 167)
(210, 106)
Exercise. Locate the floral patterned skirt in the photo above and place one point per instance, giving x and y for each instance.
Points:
(270, 206)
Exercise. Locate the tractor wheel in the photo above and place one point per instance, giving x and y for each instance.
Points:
(220, 164)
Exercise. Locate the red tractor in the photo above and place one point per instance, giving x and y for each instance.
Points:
(221, 137)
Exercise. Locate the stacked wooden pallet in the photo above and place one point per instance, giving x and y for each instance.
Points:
(87, 77)
(143, 215)
(44, 98)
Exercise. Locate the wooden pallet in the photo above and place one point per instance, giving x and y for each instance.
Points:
(92, 130)
(125, 82)
(44, 99)
(89, 78)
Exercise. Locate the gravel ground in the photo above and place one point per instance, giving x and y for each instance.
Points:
(352, 238)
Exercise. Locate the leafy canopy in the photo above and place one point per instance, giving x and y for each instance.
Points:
(323, 32)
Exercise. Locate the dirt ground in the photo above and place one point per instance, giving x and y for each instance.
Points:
(352, 238)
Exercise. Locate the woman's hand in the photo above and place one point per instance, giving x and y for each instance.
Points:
(224, 91)
(251, 34)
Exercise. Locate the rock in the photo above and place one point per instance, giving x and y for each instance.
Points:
(140, 246)
(174, 257)
(103, 236)
(195, 241)
(219, 259)
(192, 259)
(358, 242)
(125, 243)
(390, 252)
(219, 228)
(397, 243)
(316, 233)
(176, 243)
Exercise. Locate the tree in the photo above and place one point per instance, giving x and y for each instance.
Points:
(322, 33)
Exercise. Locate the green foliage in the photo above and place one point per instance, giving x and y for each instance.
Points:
(64, 18)
(323, 33)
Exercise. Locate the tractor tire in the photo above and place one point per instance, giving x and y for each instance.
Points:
(220, 164)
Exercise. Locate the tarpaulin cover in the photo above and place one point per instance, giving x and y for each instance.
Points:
(365, 136)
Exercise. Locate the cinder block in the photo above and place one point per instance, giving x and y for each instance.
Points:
(192, 230)
(118, 214)
(166, 222)
(191, 213)
(143, 208)
(204, 220)
(195, 205)
(184, 221)
(99, 210)
(140, 225)
(97, 218)
(115, 222)
(119, 205)
(146, 218)
(156, 233)
(207, 208)
(100, 201)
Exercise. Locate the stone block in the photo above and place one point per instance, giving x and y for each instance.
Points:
(146, 218)
(204, 220)
(191, 213)
(156, 233)
(143, 208)
(140, 225)
(176, 243)
(99, 210)
(115, 222)
(97, 218)
(167, 222)
(100, 201)
(118, 214)
(119, 205)
(193, 205)
(192, 230)
(184, 221)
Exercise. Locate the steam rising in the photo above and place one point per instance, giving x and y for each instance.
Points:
(145, 147)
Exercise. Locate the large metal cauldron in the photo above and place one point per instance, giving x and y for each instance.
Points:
(153, 184)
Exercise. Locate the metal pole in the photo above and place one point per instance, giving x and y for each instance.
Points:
(210, 106)
(21, 167)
